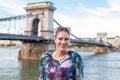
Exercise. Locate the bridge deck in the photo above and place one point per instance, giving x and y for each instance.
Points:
(4, 36)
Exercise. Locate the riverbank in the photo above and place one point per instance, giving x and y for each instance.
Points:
(10, 46)
(83, 49)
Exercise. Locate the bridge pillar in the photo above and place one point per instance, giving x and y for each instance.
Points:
(101, 39)
(41, 23)
(34, 50)
(100, 50)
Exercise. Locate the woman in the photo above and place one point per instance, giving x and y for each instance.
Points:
(61, 64)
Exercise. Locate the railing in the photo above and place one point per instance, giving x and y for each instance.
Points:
(19, 17)
(4, 36)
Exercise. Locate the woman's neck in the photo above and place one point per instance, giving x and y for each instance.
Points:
(59, 54)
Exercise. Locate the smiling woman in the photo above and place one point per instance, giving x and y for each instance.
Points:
(61, 64)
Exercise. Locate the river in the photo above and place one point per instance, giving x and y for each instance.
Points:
(97, 67)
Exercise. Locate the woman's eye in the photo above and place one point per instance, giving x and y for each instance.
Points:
(60, 38)
(66, 39)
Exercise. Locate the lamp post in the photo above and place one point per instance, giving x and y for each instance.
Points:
(8, 31)
(21, 31)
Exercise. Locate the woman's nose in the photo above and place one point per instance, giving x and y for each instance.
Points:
(63, 41)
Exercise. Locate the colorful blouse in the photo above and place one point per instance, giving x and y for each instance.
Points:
(69, 68)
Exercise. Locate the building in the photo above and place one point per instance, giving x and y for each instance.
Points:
(7, 43)
(115, 41)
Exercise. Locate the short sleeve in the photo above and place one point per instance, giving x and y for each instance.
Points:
(42, 64)
(43, 61)
(41, 68)
(79, 67)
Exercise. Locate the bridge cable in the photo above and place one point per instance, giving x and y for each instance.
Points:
(76, 36)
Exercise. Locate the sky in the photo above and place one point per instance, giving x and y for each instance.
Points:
(84, 17)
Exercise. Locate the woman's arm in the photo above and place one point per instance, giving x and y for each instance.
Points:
(79, 68)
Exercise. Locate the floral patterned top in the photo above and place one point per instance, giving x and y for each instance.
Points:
(69, 68)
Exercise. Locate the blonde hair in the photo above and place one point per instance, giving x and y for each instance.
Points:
(65, 29)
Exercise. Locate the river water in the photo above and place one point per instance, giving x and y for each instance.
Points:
(97, 67)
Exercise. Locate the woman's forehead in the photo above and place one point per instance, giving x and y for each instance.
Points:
(63, 34)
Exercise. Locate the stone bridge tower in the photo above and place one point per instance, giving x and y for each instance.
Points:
(39, 25)
(102, 38)
(42, 23)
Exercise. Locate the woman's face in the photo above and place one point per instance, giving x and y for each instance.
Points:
(62, 41)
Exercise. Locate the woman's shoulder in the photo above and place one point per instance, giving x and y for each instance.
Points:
(76, 57)
(74, 53)
(46, 54)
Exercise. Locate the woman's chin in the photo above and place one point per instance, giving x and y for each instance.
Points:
(63, 49)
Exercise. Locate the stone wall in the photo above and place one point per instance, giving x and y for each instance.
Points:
(34, 50)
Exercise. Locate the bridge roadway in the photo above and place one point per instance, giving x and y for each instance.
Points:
(5, 36)
(90, 42)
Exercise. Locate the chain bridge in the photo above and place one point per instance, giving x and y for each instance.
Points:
(35, 30)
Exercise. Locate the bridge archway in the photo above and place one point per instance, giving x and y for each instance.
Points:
(35, 26)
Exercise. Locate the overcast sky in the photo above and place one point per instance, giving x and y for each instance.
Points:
(85, 17)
